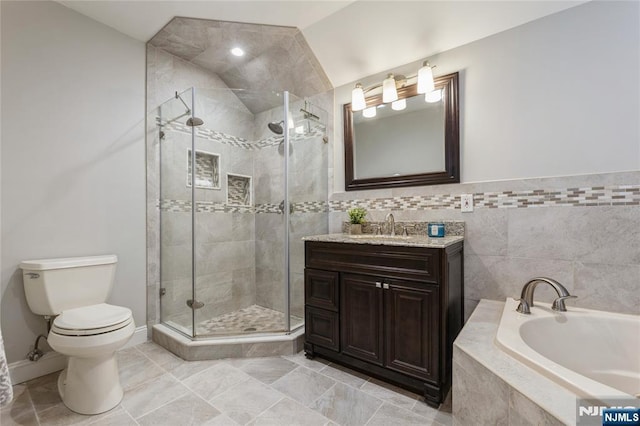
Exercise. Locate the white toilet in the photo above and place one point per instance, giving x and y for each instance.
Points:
(86, 329)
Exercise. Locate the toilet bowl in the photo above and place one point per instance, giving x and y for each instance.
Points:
(86, 330)
(90, 336)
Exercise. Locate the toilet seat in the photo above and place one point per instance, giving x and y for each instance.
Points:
(92, 320)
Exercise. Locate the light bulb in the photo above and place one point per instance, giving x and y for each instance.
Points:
(358, 102)
(433, 96)
(389, 92)
(399, 105)
(236, 51)
(425, 79)
(369, 112)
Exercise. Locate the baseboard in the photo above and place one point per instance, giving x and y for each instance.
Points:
(139, 336)
(24, 370)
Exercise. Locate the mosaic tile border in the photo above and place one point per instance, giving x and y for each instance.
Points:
(452, 228)
(184, 206)
(617, 195)
(237, 141)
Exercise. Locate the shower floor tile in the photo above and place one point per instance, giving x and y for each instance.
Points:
(253, 319)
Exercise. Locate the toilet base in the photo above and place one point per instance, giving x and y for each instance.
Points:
(90, 385)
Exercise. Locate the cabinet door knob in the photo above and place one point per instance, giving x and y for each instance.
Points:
(385, 286)
(378, 284)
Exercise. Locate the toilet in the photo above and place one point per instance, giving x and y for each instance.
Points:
(85, 329)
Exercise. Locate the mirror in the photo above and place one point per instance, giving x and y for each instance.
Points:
(418, 145)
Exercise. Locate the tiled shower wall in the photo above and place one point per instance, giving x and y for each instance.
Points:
(239, 250)
(225, 272)
(308, 192)
(583, 231)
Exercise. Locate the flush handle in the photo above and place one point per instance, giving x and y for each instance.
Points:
(32, 275)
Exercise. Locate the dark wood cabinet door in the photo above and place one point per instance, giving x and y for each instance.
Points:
(361, 318)
(322, 328)
(412, 329)
(321, 289)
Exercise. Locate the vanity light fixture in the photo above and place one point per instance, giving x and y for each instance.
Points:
(369, 112)
(399, 105)
(357, 98)
(389, 89)
(389, 92)
(425, 79)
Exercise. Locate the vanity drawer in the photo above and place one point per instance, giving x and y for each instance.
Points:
(322, 328)
(411, 263)
(321, 289)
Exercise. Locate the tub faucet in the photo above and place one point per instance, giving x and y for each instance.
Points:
(391, 223)
(526, 297)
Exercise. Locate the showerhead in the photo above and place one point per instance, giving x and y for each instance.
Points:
(276, 127)
(194, 121)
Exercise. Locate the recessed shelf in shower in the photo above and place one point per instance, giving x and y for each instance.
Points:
(238, 190)
(207, 169)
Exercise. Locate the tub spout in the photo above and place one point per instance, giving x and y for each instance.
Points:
(526, 297)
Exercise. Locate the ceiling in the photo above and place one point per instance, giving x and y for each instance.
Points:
(351, 39)
(274, 58)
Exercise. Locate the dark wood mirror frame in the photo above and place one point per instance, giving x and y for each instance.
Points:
(451, 174)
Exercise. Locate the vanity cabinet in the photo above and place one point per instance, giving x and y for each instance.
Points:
(389, 311)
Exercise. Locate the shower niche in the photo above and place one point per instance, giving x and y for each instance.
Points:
(207, 170)
(238, 190)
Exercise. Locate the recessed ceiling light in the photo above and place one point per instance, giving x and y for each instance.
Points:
(236, 51)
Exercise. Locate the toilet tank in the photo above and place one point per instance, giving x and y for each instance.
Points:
(54, 285)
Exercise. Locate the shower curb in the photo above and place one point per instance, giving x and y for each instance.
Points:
(233, 347)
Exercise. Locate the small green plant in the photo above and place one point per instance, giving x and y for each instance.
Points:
(356, 215)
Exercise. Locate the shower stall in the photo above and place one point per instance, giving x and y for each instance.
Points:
(242, 178)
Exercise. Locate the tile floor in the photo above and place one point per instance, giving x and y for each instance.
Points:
(253, 319)
(162, 389)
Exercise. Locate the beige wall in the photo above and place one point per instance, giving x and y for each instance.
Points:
(73, 179)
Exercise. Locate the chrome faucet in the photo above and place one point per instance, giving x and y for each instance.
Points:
(391, 223)
(526, 296)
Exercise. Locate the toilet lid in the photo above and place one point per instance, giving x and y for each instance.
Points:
(91, 320)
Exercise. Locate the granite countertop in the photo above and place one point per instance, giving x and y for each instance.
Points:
(411, 241)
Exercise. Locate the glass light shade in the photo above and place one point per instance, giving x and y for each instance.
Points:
(425, 79)
(399, 105)
(369, 112)
(357, 98)
(389, 92)
(433, 96)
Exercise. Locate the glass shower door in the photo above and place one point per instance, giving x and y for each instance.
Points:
(176, 233)
(308, 192)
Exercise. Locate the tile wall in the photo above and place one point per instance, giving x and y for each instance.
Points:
(583, 231)
(239, 248)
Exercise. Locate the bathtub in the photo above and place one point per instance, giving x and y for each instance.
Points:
(594, 354)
